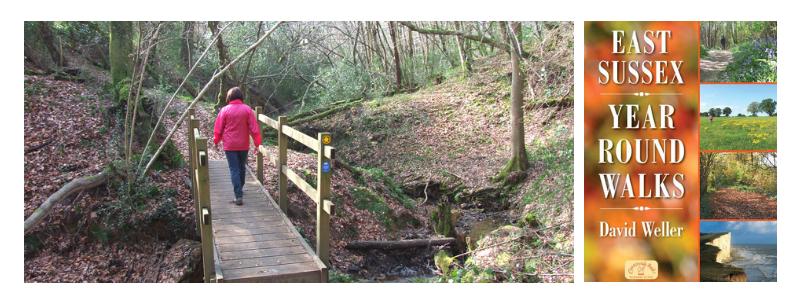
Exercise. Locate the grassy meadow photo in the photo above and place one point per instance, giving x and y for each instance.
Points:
(738, 117)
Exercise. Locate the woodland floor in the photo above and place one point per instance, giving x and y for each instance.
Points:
(713, 64)
(72, 243)
(732, 204)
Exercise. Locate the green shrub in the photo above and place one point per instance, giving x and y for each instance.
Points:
(755, 61)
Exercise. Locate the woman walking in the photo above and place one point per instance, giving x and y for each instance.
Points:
(711, 118)
(235, 124)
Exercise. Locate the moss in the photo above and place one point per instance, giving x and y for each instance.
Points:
(443, 259)
(120, 44)
(121, 90)
(367, 200)
(376, 175)
(444, 219)
(516, 164)
(32, 72)
(502, 260)
(529, 220)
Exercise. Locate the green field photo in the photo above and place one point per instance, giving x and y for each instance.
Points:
(739, 133)
(738, 117)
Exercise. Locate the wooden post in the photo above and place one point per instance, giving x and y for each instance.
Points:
(191, 123)
(323, 195)
(283, 184)
(204, 196)
(259, 156)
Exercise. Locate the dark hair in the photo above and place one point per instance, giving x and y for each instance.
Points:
(234, 93)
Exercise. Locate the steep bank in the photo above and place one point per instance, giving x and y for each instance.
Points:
(442, 145)
(715, 250)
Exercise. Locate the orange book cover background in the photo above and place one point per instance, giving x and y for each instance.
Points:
(606, 257)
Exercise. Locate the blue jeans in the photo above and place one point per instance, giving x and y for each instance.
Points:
(236, 163)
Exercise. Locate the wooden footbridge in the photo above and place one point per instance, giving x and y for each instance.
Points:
(256, 242)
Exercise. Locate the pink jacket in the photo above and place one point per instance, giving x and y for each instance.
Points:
(235, 123)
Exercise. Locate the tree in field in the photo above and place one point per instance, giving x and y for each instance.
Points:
(727, 111)
(753, 108)
(717, 112)
(768, 106)
(713, 112)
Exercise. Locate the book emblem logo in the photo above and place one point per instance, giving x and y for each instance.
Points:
(641, 269)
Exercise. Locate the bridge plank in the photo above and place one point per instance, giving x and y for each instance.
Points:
(265, 224)
(253, 213)
(237, 221)
(249, 232)
(276, 261)
(303, 272)
(254, 238)
(258, 245)
(260, 253)
(255, 242)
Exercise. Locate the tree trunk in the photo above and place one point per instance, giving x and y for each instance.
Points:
(186, 49)
(404, 244)
(707, 162)
(49, 42)
(70, 188)
(120, 45)
(397, 71)
(247, 70)
(519, 158)
(223, 60)
(462, 51)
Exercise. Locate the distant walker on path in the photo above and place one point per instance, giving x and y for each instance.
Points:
(722, 41)
(235, 124)
(711, 118)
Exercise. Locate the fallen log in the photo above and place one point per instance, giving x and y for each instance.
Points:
(66, 77)
(31, 149)
(404, 244)
(339, 163)
(76, 185)
(70, 71)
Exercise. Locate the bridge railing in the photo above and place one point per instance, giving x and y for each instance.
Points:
(321, 193)
(201, 195)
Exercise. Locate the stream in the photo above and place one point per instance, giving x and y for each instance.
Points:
(470, 224)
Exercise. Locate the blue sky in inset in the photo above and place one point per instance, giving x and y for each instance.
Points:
(744, 232)
(736, 96)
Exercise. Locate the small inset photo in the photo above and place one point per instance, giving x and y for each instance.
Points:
(739, 185)
(739, 117)
(739, 51)
(734, 251)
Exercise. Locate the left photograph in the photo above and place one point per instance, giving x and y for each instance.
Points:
(268, 151)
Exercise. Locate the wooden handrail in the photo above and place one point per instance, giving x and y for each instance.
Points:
(201, 195)
(321, 194)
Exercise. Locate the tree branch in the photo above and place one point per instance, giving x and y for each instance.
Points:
(478, 38)
(70, 188)
(203, 92)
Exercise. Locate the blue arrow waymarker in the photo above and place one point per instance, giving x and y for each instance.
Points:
(326, 167)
